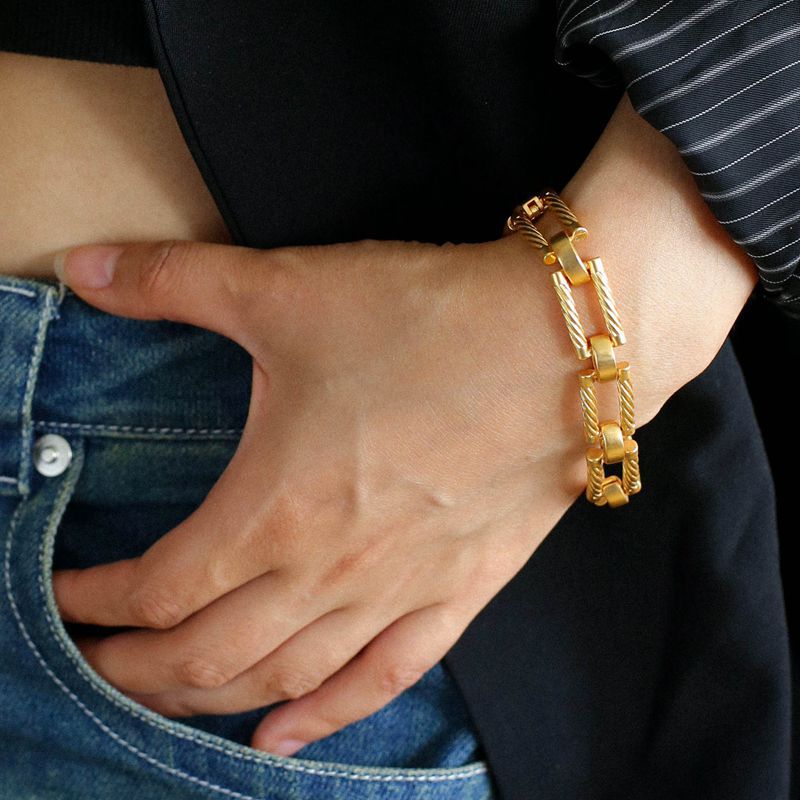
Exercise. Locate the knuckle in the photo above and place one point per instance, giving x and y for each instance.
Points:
(280, 274)
(162, 268)
(401, 676)
(347, 568)
(155, 609)
(291, 684)
(202, 673)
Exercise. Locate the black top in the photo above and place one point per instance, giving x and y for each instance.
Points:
(111, 31)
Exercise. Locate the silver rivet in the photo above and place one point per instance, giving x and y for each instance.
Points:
(51, 455)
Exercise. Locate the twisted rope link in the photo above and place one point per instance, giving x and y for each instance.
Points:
(606, 300)
(595, 477)
(591, 418)
(631, 479)
(626, 406)
(529, 231)
(600, 490)
(553, 202)
(571, 317)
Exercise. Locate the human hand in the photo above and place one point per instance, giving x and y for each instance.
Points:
(375, 492)
(413, 434)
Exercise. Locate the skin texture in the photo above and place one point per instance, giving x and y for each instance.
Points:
(91, 152)
(413, 435)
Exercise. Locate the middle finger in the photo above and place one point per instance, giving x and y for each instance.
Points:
(296, 668)
(212, 646)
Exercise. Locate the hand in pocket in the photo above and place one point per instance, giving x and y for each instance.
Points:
(400, 463)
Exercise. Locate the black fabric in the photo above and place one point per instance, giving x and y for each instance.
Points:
(641, 653)
(317, 122)
(111, 31)
(765, 343)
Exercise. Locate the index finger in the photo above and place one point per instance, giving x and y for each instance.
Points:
(219, 547)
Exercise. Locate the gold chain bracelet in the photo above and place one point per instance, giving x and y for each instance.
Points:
(608, 441)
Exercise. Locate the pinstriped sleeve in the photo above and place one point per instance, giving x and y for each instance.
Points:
(721, 79)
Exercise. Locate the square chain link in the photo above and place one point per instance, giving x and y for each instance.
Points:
(608, 441)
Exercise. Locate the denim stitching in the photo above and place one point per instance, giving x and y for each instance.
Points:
(75, 699)
(27, 400)
(83, 427)
(60, 290)
(17, 290)
(8, 479)
(265, 760)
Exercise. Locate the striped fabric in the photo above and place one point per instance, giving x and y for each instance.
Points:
(721, 79)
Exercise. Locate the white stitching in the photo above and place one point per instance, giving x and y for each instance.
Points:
(604, 15)
(765, 233)
(27, 398)
(757, 180)
(7, 479)
(747, 155)
(17, 290)
(563, 13)
(75, 699)
(658, 100)
(774, 252)
(782, 280)
(720, 68)
(791, 265)
(762, 208)
(105, 729)
(730, 97)
(81, 426)
(668, 33)
(743, 124)
(632, 24)
(265, 760)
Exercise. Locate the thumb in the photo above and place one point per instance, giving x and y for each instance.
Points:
(213, 286)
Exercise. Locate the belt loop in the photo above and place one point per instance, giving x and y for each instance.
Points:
(26, 308)
(60, 291)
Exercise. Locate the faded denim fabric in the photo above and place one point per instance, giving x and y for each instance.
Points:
(153, 412)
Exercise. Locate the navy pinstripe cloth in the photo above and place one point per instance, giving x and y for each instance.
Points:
(721, 79)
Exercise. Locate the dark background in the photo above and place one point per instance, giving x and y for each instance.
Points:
(765, 340)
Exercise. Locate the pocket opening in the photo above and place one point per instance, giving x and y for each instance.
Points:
(117, 715)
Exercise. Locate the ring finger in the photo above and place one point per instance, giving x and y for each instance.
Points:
(297, 667)
(211, 647)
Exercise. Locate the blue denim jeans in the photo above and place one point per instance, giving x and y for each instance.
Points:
(147, 415)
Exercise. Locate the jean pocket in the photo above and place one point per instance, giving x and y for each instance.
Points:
(84, 733)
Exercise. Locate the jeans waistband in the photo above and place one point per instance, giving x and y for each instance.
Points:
(66, 366)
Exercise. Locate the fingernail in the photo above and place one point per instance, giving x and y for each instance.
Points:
(287, 747)
(87, 267)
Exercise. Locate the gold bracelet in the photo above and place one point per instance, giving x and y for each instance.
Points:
(609, 441)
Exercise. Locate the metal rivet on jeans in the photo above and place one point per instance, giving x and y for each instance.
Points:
(51, 455)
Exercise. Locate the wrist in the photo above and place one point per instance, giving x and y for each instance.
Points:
(679, 279)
